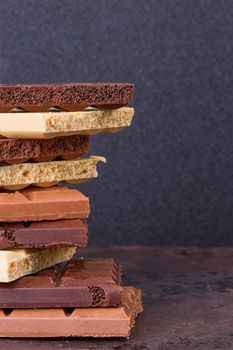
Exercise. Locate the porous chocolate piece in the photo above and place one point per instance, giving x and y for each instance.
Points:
(46, 174)
(77, 283)
(68, 96)
(15, 263)
(14, 151)
(44, 234)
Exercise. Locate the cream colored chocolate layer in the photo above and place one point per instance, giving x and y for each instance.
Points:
(47, 125)
(16, 263)
(18, 176)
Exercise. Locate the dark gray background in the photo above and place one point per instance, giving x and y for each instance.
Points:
(168, 179)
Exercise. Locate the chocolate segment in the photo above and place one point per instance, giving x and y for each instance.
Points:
(70, 96)
(78, 283)
(46, 125)
(19, 150)
(46, 174)
(44, 234)
(36, 204)
(78, 322)
(15, 263)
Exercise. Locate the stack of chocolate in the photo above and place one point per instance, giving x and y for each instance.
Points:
(44, 292)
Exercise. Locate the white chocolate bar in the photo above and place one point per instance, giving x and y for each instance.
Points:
(16, 263)
(18, 176)
(46, 125)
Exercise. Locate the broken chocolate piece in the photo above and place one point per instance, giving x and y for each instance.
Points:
(68, 96)
(77, 322)
(46, 174)
(77, 283)
(13, 151)
(44, 234)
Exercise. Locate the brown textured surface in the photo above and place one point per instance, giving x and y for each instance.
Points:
(70, 96)
(19, 150)
(77, 322)
(44, 234)
(78, 283)
(187, 298)
(36, 204)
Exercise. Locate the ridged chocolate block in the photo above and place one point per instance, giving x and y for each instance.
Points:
(36, 204)
(77, 283)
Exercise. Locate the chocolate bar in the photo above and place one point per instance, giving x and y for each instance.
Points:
(77, 283)
(14, 151)
(68, 96)
(36, 204)
(16, 263)
(51, 124)
(44, 234)
(73, 322)
(18, 176)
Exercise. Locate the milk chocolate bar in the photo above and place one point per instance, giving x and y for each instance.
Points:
(68, 96)
(18, 176)
(36, 204)
(44, 234)
(73, 322)
(51, 124)
(77, 283)
(13, 151)
(16, 263)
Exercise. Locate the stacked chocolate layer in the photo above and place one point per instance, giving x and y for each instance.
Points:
(43, 293)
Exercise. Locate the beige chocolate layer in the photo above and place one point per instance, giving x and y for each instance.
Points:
(78, 322)
(16, 263)
(18, 176)
(46, 125)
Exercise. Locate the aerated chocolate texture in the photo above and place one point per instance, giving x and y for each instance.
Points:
(46, 174)
(36, 204)
(44, 234)
(77, 283)
(20, 150)
(72, 96)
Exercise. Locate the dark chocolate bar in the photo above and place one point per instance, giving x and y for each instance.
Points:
(68, 96)
(64, 147)
(44, 234)
(77, 283)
